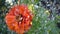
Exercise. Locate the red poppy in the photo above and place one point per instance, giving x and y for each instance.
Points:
(19, 19)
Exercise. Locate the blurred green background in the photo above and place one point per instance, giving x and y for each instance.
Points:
(45, 21)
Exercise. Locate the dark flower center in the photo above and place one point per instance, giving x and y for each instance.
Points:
(19, 18)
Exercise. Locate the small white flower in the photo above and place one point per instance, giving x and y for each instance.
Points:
(10, 1)
(36, 6)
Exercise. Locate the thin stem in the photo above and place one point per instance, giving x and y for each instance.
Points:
(18, 2)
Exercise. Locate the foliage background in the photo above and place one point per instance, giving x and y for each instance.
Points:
(41, 23)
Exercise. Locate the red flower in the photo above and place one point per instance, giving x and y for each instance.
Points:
(19, 19)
